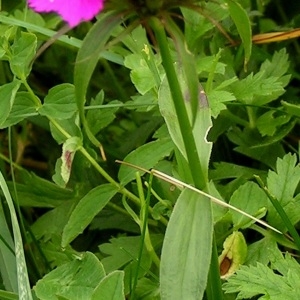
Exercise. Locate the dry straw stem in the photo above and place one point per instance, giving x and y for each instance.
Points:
(181, 184)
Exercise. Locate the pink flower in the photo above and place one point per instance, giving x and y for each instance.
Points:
(72, 11)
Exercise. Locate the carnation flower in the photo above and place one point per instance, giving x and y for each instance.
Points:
(71, 11)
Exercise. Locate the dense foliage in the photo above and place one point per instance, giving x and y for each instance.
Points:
(203, 93)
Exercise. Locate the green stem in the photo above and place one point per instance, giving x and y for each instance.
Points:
(214, 286)
(199, 176)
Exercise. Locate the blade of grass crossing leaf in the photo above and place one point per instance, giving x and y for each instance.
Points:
(242, 23)
(181, 184)
(23, 280)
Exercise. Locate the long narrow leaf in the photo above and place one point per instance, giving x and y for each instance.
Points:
(23, 280)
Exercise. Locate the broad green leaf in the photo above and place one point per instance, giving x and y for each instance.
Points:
(87, 208)
(8, 94)
(187, 248)
(24, 290)
(146, 157)
(75, 280)
(60, 102)
(242, 23)
(111, 287)
(282, 184)
(22, 108)
(251, 199)
(23, 51)
(233, 255)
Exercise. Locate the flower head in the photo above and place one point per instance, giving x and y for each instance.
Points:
(72, 11)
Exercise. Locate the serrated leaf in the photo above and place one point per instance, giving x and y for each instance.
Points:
(282, 184)
(217, 99)
(267, 124)
(145, 156)
(251, 281)
(251, 199)
(187, 245)
(87, 208)
(60, 102)
(75, 280)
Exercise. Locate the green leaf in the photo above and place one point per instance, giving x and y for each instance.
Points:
(186, 249)
(201, 126)
(292, 109)
(75, 280)
(259, 280)
(146, 157)
(267, 124)
(124, 251)
(216, 101)
(8, 94)
(233, 255)
(24, 290)
(8, 267)
(251, 199)
(99, 118)
(38, 192)
(88, 54)
(22, 108)
(60, 102)
(87, 208)
(282, 184)
(23, 51)
(243, 25)
(111, 287)
(266, 85)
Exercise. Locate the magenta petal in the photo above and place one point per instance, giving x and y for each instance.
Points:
(72, 11)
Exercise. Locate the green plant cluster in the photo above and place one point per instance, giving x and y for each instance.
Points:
(176, 87)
